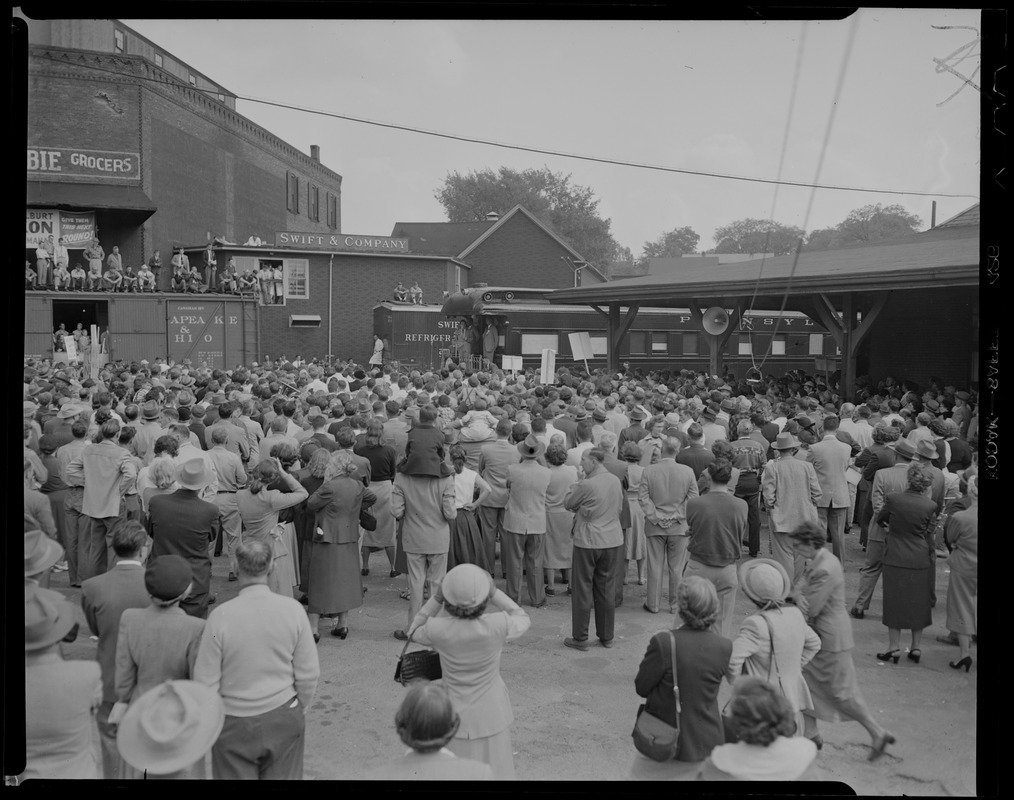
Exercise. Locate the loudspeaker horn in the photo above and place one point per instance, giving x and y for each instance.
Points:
(716, 320)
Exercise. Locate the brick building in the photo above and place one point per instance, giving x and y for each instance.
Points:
(129, 141)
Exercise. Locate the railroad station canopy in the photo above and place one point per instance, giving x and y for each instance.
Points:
(941, 258)
(90, 196)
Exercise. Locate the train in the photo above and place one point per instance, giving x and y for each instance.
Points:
(523, 323)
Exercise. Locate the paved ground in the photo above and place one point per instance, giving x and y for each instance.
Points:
(574, 710)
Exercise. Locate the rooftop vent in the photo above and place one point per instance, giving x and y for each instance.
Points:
(492, 216)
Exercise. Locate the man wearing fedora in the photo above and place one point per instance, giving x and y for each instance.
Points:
(830, 458)
(710, 427)
(257, 652)
(104, 598)
(791, 492)
(183, 524)
(60, 696)
(143, 444)
(494, 460)
(524, 523)
(635, 432)
(596, 501)
(663, 494)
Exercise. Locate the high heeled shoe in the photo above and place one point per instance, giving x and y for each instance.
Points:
(880, 745)
(890, 655)
(341, 633)
(966, 662)
(914, 655)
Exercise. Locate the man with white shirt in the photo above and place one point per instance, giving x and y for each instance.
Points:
(231, 478)
(616, 420)
(277, 434)
(236, 436)
(149, 429)
(863, 434)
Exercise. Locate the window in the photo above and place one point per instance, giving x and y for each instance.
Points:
(221, 97)
(745, 344)
(292, 201)
(778, 345)
(332, 210)
(297, 278)
(638, 342)
(313, 202)
(193, 80)
(457, 277)
(600, 345)
(690, 344)
(535, 343)
(158, 59)
(118, 40)
(816, 344)
(659, 342)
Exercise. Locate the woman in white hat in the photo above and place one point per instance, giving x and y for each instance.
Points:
(775, 643)
(61, 697)
(469, 642)
(167, 732)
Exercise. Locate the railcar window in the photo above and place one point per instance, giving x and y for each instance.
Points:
(690, 344)
(638, 342)
(660, 342)
(778, 346)
(535, 343)
(816, 344)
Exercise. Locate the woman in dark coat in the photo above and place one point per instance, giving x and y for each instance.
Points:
(335, 586)
(310, 479)
(383, 458)
(702, 657)
(909, 517)
(875, 457)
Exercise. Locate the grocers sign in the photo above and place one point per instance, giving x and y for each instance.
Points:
(202, 332)
(70, 161)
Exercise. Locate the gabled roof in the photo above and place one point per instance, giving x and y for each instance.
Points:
(970, 216)
(439, 238)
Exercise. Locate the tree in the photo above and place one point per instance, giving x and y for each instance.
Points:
(569, 209)
(875, 222)
(673, 244)
(757, 236)
(822, 239)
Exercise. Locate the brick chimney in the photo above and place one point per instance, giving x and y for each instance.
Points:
(315, 152)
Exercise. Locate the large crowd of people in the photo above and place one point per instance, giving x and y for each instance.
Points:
(299, 473)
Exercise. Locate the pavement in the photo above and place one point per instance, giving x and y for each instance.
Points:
(574, 710)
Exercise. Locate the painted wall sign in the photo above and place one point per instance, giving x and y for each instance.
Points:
(198, 331)
(341, 241)
(74, 162)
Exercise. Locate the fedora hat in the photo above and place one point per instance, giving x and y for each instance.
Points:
(193, 474)
(48, 618)
(805, 422)
(728, 404)
(150, 410)
(167, 576)
(467, 585)
(905, 449)
(638, 414)
(764, 580)
(41, 552)
(709, 414)
(531, 447)
(926, 449)
(785, 441)
(599, 415)
(68, 410)
(170, 726)
(962, 395)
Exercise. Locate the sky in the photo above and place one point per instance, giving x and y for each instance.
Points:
(772, 100)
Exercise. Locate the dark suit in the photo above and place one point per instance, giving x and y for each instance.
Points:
(104, 598)
(182, 524)
(424, 452)
(697, 457)
(337, 504)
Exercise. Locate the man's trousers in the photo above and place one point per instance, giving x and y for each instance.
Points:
(264, 747)
(522, 552)
(591, 585)
(668, 552)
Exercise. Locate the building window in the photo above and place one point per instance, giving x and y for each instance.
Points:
(118, 40)
(221, 97)
(158, 60)
(193, 80)
(332, 210)
(313, 202)
(690, 345)
(297, 278)
(292, 201)
(816, 344)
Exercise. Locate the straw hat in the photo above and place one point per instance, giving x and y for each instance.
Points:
(466, 586)
(170, 726)
(48, 618)
(531, 447)
(68, 410)
(764, 580)
(927, 450)
(41, 553)
(194, 474)
(786, 441)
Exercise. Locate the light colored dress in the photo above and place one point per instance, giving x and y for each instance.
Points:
(633, 537)
(559, 545)
(259, 513)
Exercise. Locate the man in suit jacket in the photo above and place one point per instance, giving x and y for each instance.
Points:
(663, 494)
(567, 424)
(346, 441)
(396, 428)
(596, 501)
(104, 598)
(695, 455)
(791, 492)
(830, 458)
(183, 524)
(494, 459)
(426, 505)
(524, 522)
(237, 439)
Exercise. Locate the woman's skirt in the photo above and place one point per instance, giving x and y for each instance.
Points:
(467, 546)
(495, 750)
(634, 546)
(559, 545)
(383, 536)
(907, 598)
(334, 584)
(962, 593)
(282, 578)
(834, 686)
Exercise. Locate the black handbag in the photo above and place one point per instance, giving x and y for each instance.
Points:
(417, 665)
(653, 737)
(367, 521)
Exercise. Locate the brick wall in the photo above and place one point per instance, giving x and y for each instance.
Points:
(360, 282)
(923, 333)
(520, 253)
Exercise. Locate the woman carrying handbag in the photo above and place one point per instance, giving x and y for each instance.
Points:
(775, 643)
(702, 658)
